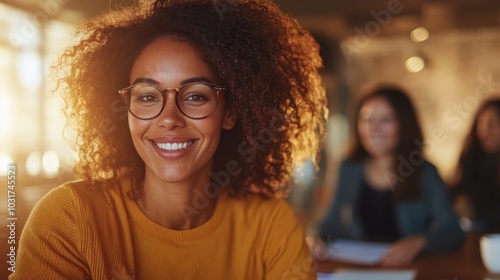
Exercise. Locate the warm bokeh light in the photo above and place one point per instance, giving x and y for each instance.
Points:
(34, 164)
(50, 164)
(419, 34)
(415, 64)
(70, 159)
(29, 110)
(29, 70)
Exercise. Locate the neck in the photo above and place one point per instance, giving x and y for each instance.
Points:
(378, 171)
(180, 205)
(382, 163)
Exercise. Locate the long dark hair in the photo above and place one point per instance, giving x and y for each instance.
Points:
(409, 154)
(472, 150)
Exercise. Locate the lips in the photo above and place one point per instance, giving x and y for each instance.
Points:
(377, 140)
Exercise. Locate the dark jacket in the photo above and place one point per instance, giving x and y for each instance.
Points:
(430, 215)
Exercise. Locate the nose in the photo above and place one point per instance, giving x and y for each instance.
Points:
(171, 117)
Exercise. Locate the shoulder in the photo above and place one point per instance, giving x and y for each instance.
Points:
(431, 180)
(75, 195)
(351, 173)
(427, 166)
(429, 171)
(63, 195)
(351, 166)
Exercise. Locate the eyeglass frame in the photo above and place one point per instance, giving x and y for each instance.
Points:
(124, 91)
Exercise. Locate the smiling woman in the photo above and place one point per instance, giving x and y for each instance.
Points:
(167, 99)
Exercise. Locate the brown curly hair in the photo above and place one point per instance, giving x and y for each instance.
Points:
(266, 61)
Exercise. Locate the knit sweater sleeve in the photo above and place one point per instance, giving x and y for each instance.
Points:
(48, 247)
(288, 254)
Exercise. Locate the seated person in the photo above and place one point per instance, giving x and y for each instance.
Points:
(386, 190)
(184, 181)
(478, 173)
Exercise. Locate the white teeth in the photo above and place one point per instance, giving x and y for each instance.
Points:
(174, 146)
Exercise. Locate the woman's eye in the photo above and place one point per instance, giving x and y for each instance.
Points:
(386, 120)
(147, 98)
(196, 97)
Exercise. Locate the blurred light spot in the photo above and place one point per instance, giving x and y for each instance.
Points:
(29, 70)
(34, 164)
(415, 64)
(305, 174)
(50, 163)
(419, 34)
(5, 160)
(71, 159)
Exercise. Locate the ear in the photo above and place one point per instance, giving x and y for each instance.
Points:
(229, 118)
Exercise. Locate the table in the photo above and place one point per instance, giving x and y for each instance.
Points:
(463, 264)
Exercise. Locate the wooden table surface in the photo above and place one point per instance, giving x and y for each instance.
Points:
(463, 264)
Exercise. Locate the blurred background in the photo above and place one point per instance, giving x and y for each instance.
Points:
(445, 52)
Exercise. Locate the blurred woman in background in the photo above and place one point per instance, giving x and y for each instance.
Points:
(386, 190)
(478, 172)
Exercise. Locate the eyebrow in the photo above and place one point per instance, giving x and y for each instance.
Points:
(150, 81)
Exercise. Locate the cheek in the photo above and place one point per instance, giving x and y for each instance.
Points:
(481, 132)
(363, 129)
(212, 131)
(392, 131)
(136, 127)
(494, 138)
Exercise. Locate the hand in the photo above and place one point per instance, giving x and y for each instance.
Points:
(318, 248)
(404, 251)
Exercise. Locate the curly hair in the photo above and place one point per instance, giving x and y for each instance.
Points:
(268, 63)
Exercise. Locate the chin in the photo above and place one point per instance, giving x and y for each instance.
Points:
(378, 152)
(169, 175)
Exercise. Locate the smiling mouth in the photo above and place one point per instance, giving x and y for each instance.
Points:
(174, 146)
(377, 140)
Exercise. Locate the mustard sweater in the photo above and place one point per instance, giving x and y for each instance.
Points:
(81, 232)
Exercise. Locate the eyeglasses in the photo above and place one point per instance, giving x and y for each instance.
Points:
(195, 100)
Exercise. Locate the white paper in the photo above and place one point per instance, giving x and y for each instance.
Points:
(368, 274)
(326, 276)
(357, 251)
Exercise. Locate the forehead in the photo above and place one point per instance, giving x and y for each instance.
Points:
(377, 106)
(170, 60)
(489, 112)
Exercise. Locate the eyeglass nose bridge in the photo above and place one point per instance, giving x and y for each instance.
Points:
(164, 92)
(167, 90)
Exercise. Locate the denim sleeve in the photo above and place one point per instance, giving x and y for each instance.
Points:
(445, 233)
